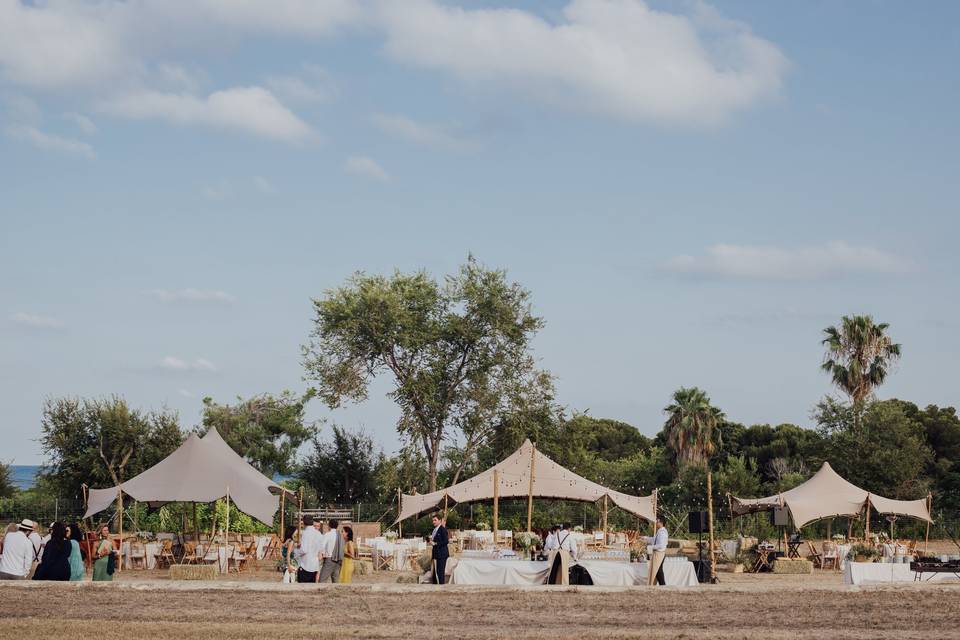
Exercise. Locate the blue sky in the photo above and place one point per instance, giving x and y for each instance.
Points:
(691, 191)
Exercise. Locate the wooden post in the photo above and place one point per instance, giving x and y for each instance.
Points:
(866, 530)
(829, 527)
(120, 527)
(655, 500)
(196, 524)
(496, 505)
(604, 520)
(300, 515)
(399, 508)
(533, 459)
(713, 570)
(283, 495)
(444, 509)
(926, 539)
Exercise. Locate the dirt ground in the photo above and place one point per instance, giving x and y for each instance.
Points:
(741, 606)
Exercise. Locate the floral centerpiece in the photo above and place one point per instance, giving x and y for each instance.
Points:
(483, 526)
(839, 538)
(863, 553)
(526, 540)
(390, 535)
(578, 529)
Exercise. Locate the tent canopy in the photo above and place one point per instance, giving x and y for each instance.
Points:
(825, 495)
(200, 470)
(514, 474)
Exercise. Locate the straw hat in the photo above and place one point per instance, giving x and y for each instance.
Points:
(27, 525)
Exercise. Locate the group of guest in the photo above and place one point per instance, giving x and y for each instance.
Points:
(559, 537)
(56, 556)
(322, 555)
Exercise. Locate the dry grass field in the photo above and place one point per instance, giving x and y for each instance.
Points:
(742, 606)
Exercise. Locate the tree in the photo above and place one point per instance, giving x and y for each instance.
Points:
(859, 355)
(341, 470)
(102, 442)
(266, 430)
(691, 430)
(458, 353)
(7, 487)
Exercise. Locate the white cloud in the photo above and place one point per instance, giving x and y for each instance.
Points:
(199, 365)
(50, 142)
(613, 57)
(83, 123)
(313, 86)
(746, 262)
(252, 110)
(217, 192)
(426, 134)
(194, 296)
(176, 77)
(365, 166)
(35, 321)
(186, 394)
(263, 185)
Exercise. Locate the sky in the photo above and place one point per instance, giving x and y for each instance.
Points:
(690, 191)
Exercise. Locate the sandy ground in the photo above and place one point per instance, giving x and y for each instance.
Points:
(140, 605)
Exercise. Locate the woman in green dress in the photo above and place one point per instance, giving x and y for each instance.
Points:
(75, 536)
(288, 555)
(104, 550)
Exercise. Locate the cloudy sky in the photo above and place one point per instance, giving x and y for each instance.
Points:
(691, 191)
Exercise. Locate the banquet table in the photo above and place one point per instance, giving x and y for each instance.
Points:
(879, 573)
(602, 572)
(151, 550)
(216, 553)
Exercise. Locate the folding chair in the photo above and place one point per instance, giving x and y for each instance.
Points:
(382, 561)
(165, 555)
(831, 556)
(815, 556)
(138, 554)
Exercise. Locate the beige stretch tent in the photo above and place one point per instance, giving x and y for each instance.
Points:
(200, 470)
(825, 495)
(527, 473)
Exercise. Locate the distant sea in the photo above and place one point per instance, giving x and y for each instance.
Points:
(24, 475)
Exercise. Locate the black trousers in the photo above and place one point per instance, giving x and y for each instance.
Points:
(440, 572)
(306, 576)
(660, 579)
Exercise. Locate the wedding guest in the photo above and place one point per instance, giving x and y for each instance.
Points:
(332, 553)
(349, 554)
(55, 564)
(35, 539)
(566, 541)
(102, 567)
(288, 552)
(440, 552)
(658, 549)
(309, 557)
(551, 541)
(75, 535)
(18, 552)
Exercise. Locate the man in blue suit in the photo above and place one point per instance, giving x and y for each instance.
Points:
(441, 552)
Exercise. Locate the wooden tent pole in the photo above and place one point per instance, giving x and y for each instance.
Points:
(496, 506)
(653, 524)
(926, 539)
(299, 515)
(399, 508)
(866, 530)
(605, 509)
(196, 524)
(533, 461)
(444, 509)
(283, 495)
(120, 526)
(713, 570)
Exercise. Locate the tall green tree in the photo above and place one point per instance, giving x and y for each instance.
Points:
(341, 469)
(458, 353)
(859, 355)
(691, 429)
(7, 487)
(266, 430)
(102, 442)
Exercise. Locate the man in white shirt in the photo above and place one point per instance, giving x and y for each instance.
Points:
(566, 541)
(309, 567)
(332, 553)
(551, 542)
(35, 538)
(657, 546)
(18, 553)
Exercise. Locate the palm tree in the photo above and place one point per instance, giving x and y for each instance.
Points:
(859, 355)
(692, 427)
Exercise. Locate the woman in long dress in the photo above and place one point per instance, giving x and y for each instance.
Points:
(288, 554)
(349, 554)
(77, 570)
(104, 550)
(55, 564)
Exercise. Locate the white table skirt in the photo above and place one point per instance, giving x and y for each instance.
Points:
(877, 573)
(602, 572)
(216, 553)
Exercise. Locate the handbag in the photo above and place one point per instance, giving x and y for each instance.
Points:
(111, 563)
(288, 578)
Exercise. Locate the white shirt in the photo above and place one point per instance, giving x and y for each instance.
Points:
(659, 540)
(310, 540)
(551, 542)
(330, 542)
(566, 541)
(17, 554)
(37, 542)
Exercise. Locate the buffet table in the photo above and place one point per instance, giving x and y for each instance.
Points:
(602, 572)
(886, 572)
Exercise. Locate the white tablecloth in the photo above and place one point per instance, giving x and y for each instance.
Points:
(216, 553)
(876, 572)
(842, 551)
(152, 549)
(602, 572)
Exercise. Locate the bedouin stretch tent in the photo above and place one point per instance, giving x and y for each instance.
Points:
(826, 495)
(527, 473)
(200, 470)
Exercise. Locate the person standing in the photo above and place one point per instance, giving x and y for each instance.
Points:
(441, 551)
(309, 561)
(288, 554)
(332, 554)
(101, 567)
(550, 544)
(658, 549)
(55, 564)
(75, 536)
(566, 541)
(349, 554)
(18, 553)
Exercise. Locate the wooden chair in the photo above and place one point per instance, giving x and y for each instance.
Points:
(831, 556)
(165, 556)
(237, 554)
(189, 553)
(138, 555)
(382, 561)
(815, 556)
(364, 552)
(272, 549)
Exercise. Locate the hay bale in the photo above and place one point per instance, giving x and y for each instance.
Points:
(408, 578)
(792, 566)
(193, 572)
(362, 567)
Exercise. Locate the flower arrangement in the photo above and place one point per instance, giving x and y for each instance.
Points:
(839, 537)
(390, 535)
(578, 529)
(863, 553)
(483, 526)
(526, 540)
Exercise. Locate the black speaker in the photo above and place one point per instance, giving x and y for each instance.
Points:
(702, 567)
(698, 521)
(780, 517)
